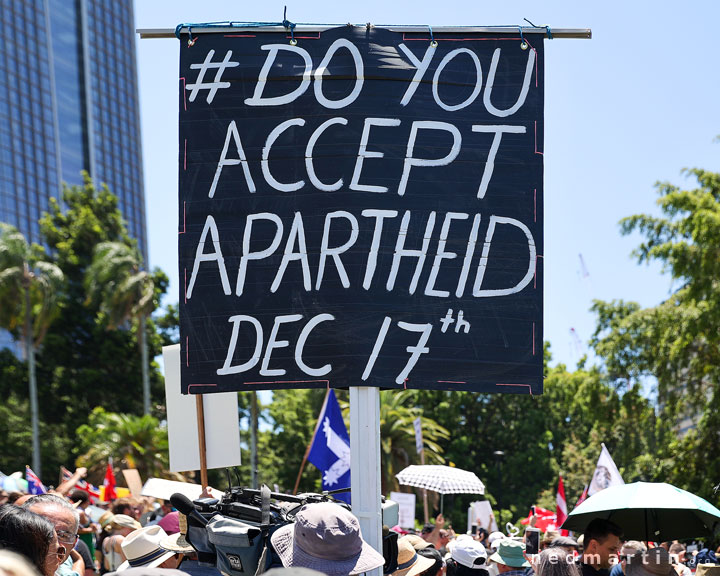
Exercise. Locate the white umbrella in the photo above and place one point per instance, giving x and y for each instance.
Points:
(441, 479)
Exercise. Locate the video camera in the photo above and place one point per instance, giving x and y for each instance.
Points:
(233, 533)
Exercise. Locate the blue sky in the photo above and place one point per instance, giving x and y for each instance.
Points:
(630, 107)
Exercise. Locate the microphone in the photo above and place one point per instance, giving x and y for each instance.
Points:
(183, 505)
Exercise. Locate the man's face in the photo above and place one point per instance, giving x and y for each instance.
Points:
(64, 521)
(602, 554)
(52, 560)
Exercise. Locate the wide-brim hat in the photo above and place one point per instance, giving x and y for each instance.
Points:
(326, 537)
(511, 553)
(707, 570)
(142, 548)
(409, 562)
(177, 542)
(653, 562)
(123, 521)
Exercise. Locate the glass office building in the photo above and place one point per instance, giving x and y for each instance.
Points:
(68, 102)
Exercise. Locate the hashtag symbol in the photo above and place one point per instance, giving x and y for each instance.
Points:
(211, 87)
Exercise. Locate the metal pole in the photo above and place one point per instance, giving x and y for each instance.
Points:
(30, 354)
(144, 360)
(424, 491)
(365, 464)
(578, 33)
(253, 439)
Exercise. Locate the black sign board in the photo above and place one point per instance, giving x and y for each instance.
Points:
(361, 207)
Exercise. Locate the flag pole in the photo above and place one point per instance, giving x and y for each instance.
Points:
(307, 450)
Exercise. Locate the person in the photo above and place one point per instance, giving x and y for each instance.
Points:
(409, 562)
(653, 562)
(547, 538)
(677, 555)
(570, 545)
(510, 557)
(127, 506)
(555, 561)
(119, 528)
(12, 564)
(467, 558)
(325, 537)
(66, 521)
(438, 567)
(142, 548)
(628, 549)
(31, 536)
(601, 544)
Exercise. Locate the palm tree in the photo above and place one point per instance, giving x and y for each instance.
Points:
(138, 442)
(124, 292)
(397, 436)
(29, 287)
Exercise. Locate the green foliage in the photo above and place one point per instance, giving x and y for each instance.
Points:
(81, 364)
(134, 441)
(677, 343)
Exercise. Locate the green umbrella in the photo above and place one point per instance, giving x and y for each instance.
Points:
(648, 511)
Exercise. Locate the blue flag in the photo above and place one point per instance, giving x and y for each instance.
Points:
(35, 486)
(330, 448)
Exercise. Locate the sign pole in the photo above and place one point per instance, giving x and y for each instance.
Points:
(365, 464)
(202, 448)
(420, 447)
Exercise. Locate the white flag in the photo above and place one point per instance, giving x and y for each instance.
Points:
(606, 473)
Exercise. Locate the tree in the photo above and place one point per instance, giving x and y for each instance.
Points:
(123, 291)
(29, 288)
(397, 436)
(139, 441)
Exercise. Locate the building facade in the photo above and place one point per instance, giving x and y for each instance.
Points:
(69, 102)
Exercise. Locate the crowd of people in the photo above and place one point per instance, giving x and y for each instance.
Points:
(51, 535)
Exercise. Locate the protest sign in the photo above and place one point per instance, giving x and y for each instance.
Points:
(406, 503)
(361, 208)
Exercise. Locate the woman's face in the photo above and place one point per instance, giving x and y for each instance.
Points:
(52, 560)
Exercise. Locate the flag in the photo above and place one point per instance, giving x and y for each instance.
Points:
(109, 483)
(583, 496)
(330, 448)
(606, 473)
(35, 486)
(93, 491)
(544, 519)
(561, 505)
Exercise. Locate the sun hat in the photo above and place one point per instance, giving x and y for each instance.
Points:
(177, 542)
(292, 571)
(142, 548)
(325, 537)
(653, 562)
(399, 529)
(417, 542)
(409, 562)
(470, 553)
(494, 538)
(510, 552)
(105, 519)
(123, 521)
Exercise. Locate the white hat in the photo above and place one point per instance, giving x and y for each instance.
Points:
(493, 538)
(470, 553)
(142, 548)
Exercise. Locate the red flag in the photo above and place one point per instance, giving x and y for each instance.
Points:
(109, 483)
(561, 505)
(544, 519)
(583, 497)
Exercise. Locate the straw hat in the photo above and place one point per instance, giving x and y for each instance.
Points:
(123, 521)
(409, 562)
(178, 542)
